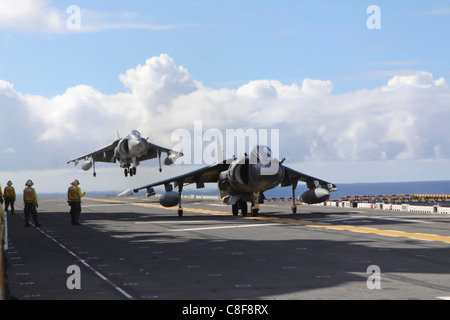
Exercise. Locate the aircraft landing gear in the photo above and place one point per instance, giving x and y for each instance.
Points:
(180, 189)
(240, 205)
(255, 210)
(243, 207)
(93, 167)
(159, 160)
(130, 171)
(294, 186)
(235, 209)
(257, 199)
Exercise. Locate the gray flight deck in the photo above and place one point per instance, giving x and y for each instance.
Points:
(131, 248)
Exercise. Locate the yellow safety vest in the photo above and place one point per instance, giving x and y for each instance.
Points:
(29, 196)
(10, 192)
(74, 194)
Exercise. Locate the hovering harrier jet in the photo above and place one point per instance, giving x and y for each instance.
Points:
(129, 152)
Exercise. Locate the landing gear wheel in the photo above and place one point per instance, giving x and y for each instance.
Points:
(294, 209)
(243, 206)
(255, 210)
(180, 212)
(235, 209)
(134, 170)
(125, 172)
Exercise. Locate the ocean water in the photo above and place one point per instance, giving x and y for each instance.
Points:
(344, 189)
(362, 189)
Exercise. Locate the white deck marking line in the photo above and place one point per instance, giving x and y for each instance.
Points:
(123, 292)
(171, 222)
(102, 205)
(228, 227)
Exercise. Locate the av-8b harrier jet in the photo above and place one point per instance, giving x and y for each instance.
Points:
(244, 179)
(129, 152)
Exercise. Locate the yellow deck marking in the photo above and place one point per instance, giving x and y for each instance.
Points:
(391, 233)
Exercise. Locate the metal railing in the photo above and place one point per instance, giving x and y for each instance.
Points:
(399, 197)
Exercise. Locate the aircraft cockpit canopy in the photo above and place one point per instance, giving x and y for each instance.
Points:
(261, 153)
(135, 133)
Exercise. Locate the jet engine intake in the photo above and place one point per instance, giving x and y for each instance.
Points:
(122, 148)
(238, 174)
(86, 165)
(316, 195)
(170, 199)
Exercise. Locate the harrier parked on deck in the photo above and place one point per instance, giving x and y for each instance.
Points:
(244, 179)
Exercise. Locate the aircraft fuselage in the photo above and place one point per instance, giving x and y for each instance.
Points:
(244, 177)
(129, 149)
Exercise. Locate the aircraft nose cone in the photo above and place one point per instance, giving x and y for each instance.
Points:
(267, 176)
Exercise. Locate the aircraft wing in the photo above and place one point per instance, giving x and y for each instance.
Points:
(208, 174)
(153, 149)
(105, 154)
(292, 176)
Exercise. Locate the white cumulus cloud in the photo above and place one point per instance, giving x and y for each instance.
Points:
(419, 80)
(404, 120)
(43, 16)
(30, 15)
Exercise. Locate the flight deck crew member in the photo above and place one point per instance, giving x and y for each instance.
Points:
(2, 218)
(74, 196)
(31, 203)
(10, 197)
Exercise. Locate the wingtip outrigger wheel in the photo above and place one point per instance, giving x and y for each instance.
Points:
(159, 160)
(180, 190)
(93, 168)
(294, 183)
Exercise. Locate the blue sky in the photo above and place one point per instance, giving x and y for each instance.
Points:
(228, 43)
(344, 97)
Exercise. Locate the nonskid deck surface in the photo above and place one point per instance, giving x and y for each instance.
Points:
(132, 248)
